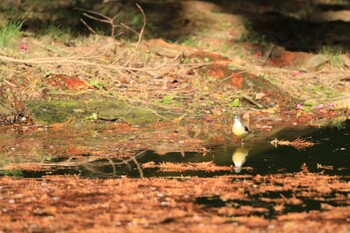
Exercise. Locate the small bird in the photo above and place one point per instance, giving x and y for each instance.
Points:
(239, 157)
(239, 129)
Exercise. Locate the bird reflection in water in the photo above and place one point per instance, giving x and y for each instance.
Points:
(239, 157)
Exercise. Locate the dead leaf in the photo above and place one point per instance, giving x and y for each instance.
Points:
(60, 125)
(65, 82)
(179, 119)
(258, 96)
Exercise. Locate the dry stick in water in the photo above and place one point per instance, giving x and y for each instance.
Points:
(298, 143)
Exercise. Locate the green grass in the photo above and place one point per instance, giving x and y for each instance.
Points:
(9, 33)
(58, 32)
(334, 55)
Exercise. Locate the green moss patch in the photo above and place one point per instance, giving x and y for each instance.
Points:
(56, 111)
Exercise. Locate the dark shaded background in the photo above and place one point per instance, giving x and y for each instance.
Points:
(294, 25)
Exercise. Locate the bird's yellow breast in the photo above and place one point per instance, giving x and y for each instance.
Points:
(239, 155)
(239, 131)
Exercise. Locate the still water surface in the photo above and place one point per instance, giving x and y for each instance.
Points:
(330, 155)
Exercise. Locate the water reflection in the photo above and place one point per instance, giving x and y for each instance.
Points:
(35, 155)
(239, 157)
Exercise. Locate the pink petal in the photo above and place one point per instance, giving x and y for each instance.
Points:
(299, 106)
(23, 47)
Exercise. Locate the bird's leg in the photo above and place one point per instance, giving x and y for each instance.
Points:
(242, 142)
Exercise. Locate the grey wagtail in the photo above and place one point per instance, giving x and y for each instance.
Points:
(239, 157)
(239, 129)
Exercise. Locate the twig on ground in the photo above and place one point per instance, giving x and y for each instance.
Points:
(129, 28)
(10, 84)
(88, 26)
(140, 35)
(158, 114)
(101, 18)
(80, 62)
(250, 100)
(267, 53)
(62, 60)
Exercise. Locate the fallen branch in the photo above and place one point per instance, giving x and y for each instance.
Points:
(140, 35)
(88, 26)
(250, 100)
(61, 60)
(76, 61)
(100, 18)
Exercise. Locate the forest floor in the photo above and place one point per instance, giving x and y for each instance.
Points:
(188, 68)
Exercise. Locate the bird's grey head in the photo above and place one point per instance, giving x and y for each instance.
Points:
(237, 118)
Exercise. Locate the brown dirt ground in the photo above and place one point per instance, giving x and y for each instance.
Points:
(72, 204)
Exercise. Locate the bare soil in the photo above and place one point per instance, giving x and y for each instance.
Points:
(232, 204)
